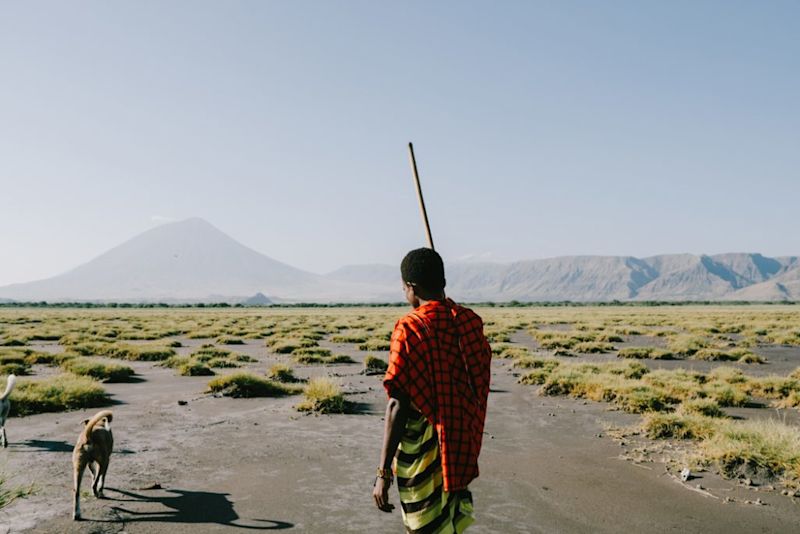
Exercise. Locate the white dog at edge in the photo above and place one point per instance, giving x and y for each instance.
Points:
(5, 408)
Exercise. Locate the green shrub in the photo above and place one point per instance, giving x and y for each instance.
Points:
(714, 355)
(194, 368)
(350, 337)
(222, 363)
(768, 447)
(249, 385)
(514, 351)
(536, 363)
(14, 363)
(282, 373)
(773, 387)
(498, 348)
(314, 358)
(610, 338)
(149, 354)
(677, 426)
(322, 395)
(593, 347)
(376, 344)
(752, 358)
(535, 377)
(706, 407)
(175, 361)
(652, 353)
(228, 340)
(312, 351)
(56, 394)
(14, 369)
(308, 359)
(98, 370)
(685, 345)
(641, 399)
(339, 358)
(207, 352)
(33, 357)
(375, 365)
(731, 375)
(726, 394)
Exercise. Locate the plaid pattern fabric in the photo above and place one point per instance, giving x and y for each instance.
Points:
(440, 359)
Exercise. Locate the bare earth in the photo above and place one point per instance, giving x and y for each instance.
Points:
(548, 465)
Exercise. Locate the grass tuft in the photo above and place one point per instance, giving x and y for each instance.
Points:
(104, 372)
(375, 365)
(282, 373)
(322, 395)
(57, 394)
(641, 353)
(249, 385)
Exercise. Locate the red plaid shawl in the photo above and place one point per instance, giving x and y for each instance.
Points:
(447, 384)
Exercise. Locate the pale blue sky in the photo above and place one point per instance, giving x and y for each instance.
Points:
(541, 128)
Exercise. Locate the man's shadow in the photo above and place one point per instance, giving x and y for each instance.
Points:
(190, 507)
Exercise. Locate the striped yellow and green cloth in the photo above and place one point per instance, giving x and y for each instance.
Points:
(426, 508)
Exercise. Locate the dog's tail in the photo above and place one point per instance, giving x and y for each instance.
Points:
(91, 423)
(9, 386)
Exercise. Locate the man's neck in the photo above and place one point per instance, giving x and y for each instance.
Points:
(437, 298)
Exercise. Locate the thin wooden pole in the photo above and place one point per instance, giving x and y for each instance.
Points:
(419, 195)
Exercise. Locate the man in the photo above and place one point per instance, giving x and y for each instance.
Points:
(438, 384)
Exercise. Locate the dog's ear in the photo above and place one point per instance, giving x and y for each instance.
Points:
(84, 422)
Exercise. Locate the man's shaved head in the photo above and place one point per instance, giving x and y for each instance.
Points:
(424, 268)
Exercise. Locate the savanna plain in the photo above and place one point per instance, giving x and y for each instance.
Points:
(601, 419)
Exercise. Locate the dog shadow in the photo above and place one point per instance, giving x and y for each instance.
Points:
(189, 507)
(44, 445)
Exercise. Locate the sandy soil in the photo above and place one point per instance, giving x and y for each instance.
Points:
(548, 465)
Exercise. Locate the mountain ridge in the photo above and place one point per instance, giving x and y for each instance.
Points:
(192, 261)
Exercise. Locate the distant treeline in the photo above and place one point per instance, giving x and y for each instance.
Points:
(510, 304)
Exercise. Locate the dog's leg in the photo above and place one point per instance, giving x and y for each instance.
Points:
(94, 468)
(80, 466)
(102, 477)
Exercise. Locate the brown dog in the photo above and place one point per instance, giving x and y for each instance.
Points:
(93, 449)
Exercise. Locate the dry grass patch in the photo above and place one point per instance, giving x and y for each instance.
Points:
(593, 347)
(767, 448)
(376, 344)
(228, 340)
(10, 494)
(56, 394)
(103, 372)
(323, 395)
(283, 373)
(350, 337)
(374, 365)
(249, 385)
(649, 353)
(678, 426)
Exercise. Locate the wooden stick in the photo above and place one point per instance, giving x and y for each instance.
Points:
(419, 195)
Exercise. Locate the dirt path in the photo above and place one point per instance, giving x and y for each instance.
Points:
(257, 464)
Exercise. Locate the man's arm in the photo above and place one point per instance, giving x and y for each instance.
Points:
(394, 426)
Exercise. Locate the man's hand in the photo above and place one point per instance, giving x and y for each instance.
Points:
(381, 495)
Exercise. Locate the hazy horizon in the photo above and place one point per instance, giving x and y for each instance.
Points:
(540, 129)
